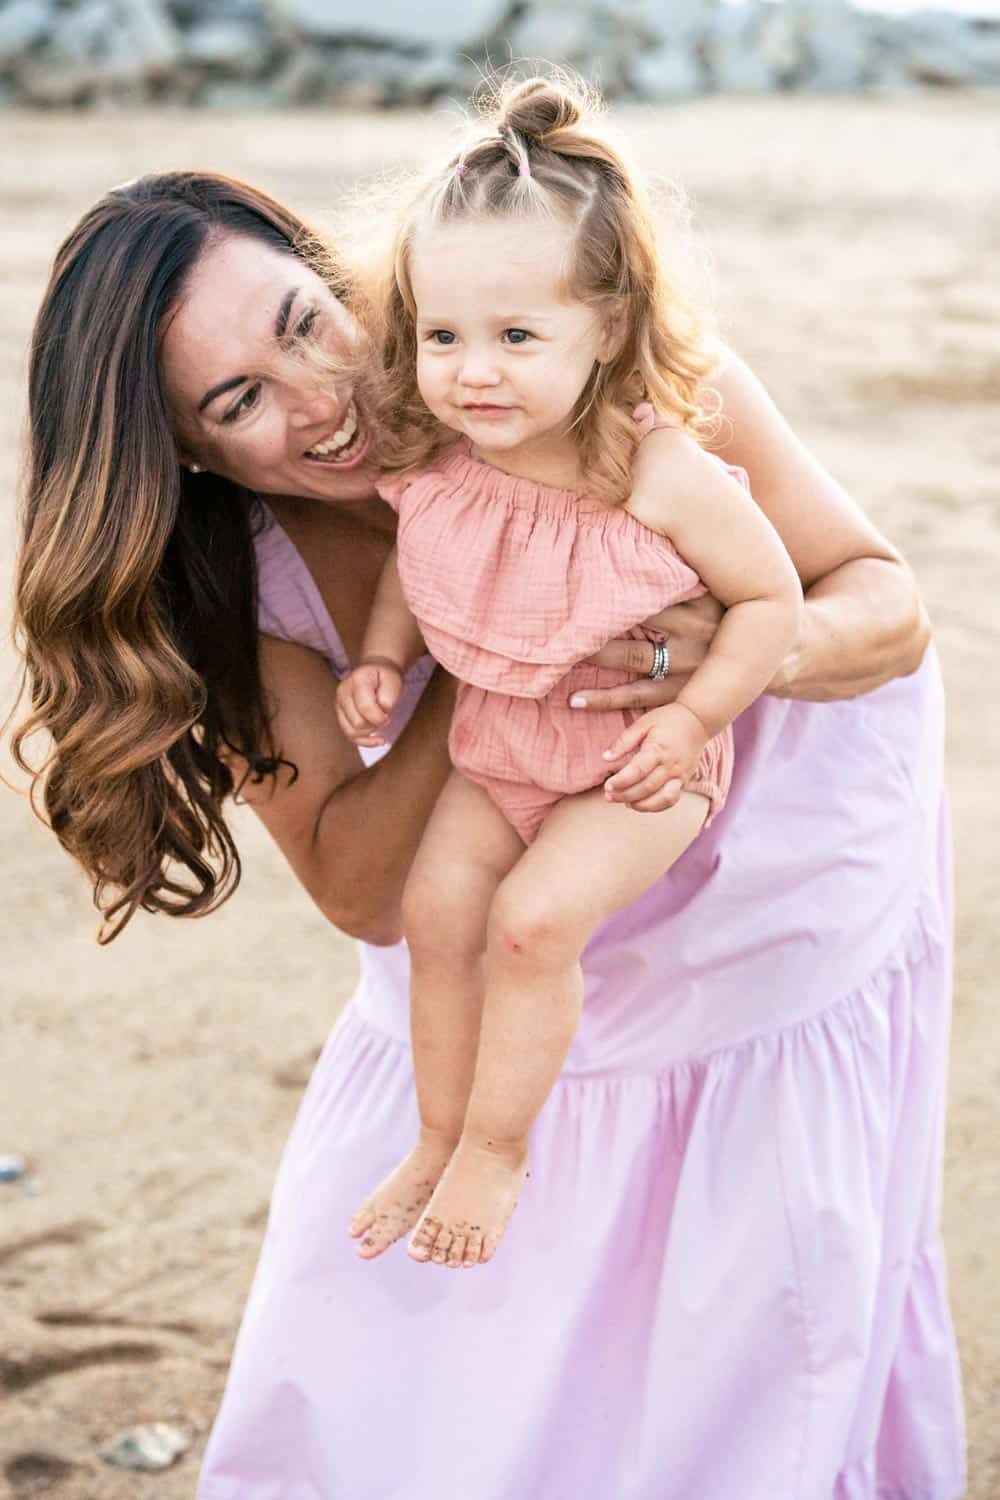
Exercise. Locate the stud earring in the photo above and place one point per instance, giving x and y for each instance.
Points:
(194, 468)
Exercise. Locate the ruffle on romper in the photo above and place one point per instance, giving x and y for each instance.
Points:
(513, 582)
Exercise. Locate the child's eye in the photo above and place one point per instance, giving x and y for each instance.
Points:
(441, 336)
(246, 403)
(516, 335)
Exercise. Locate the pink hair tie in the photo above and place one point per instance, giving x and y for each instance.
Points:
(523, 169)
(460, 169)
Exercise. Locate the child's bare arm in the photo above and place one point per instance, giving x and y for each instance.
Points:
(392, 643)
(717, 527)
(392, 634)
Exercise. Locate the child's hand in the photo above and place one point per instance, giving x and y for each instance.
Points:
(664, 748)
(365, 699)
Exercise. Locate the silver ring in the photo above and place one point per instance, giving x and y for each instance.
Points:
(661, 662)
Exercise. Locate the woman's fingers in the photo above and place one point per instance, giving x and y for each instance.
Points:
(698, 618)
(625, 656)
(641, 694)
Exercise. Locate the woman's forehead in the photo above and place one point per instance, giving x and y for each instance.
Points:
(236, 290)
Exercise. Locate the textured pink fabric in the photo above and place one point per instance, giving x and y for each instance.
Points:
(724, 1280)
(513, 583)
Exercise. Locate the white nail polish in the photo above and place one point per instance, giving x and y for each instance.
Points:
(578, 701)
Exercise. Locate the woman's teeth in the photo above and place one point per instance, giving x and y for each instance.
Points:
(344, 441)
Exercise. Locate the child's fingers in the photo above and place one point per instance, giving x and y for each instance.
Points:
(355, 726)
(387, 693)
(627, 741)
(639, 767)
(367, 704)
(667, 796)
(652, 782)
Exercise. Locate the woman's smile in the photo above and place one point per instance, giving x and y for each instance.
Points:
(344, 448)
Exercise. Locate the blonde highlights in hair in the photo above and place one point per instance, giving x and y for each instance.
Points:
(540, 154)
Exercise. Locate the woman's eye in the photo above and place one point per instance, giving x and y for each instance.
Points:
(442, 336)
(306, 325)
(516, 335)
(246, 403)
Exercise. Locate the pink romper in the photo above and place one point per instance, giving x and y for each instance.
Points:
(513, 583)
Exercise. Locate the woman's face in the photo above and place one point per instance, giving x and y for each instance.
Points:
(244, 402)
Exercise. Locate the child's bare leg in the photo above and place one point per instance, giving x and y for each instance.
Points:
(466, 851)
(591, 858)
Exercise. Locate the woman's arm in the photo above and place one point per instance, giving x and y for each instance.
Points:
(349, 832)
(863, 622)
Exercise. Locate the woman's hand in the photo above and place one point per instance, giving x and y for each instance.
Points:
(688, 629)
(662, 749)
(365, 699)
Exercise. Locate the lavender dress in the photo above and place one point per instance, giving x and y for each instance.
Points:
(724, 1280)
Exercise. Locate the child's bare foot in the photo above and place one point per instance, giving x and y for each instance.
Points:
(396, 1204)
(471, 1204)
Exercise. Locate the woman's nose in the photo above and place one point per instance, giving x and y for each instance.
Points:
(311, 406)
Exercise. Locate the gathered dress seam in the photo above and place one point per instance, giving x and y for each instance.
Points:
(807, 1339)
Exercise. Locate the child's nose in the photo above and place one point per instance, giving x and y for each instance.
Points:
(479, 369)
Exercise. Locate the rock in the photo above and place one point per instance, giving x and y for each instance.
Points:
(666, 73)
(23, 23)
(236, 95)
(153, 1447)
(673, 21)
(11, 1168)
(401, 23)
(735, 62)
(103, 44)
(439, 72)
(304, 78)
(233, 46)
(556, 31)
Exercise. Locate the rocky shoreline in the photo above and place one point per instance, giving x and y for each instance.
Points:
(245, 54)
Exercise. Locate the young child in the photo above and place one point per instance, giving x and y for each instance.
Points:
(530, 316)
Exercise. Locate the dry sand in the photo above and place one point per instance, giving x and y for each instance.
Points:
(152, 1084)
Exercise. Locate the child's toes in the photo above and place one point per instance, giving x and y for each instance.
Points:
(442, 1245)
(456, 1254)
(473, 1246)
(490, 1243)
(377, 1238)
(363, 1219)
(424, 1237)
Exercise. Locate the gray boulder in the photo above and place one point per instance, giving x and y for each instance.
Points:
(232, 45)
(435, 23)
(23, 23)
(557, 31)
(666, 73)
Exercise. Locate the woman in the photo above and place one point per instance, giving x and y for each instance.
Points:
(752, 1302)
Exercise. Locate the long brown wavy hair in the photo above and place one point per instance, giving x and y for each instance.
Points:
(539, 151)
(136, 598)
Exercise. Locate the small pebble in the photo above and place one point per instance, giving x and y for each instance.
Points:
(11, 1168)
(156, 1446)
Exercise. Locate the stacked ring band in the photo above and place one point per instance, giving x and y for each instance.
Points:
(661, 661)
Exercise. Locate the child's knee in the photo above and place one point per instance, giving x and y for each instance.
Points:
(437, 922)
(530, 927)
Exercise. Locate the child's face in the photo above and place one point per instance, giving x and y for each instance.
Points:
(503, 351)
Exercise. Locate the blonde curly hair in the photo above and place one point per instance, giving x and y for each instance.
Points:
(539, 152)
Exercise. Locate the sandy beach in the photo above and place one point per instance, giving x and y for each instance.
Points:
(151, 1085)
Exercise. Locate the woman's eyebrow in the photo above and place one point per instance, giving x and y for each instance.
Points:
(280, 329)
